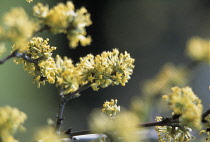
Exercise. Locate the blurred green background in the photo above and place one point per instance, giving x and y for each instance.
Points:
(153, 32)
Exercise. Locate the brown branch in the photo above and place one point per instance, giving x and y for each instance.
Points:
(164, 122)
(204, 115)
(60, 119)
(72, 95)
(14, 54)
(19, 55)
(63, 100)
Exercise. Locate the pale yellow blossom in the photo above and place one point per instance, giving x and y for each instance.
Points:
(45, 69)
(111, 108)
(2, 48)
(109, 68)
(68, 77)
(40, 11)
(18, 28)
(185, 103)
(48, 134)
(11, 120)
(123, 128)
(173, 133)
(63, 18)
(198, 49)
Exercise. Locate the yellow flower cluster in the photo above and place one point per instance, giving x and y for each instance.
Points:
(198, 49)
(68, 77)
(173, 134)
(110, 108)
(17, 28)
(39, 50)
(124, 126)
(169, 76)
(48, 134)
(100, 71)
(78, 33)
(109, 68)
(64, 19)
(186, 104)
(11, 120)
(40, 11)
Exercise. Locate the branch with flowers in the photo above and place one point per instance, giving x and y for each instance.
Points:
(97, 72)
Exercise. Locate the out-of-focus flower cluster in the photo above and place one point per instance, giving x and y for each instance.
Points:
(123, 128)
(2, 48)
(140, 107)
(48, 134)
(11, 120)
(40, 51)
(109, 68)
(173, 133)
(17, 28)
(111, 108)
(185, 103)
(63, 18)
(169, 76)
(198, 49)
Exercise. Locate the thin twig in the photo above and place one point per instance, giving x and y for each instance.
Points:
(14, 54)
(59, 121)
(204, 115)
(19, 55)
(63, 100)
(164, 122)
(72, 95)
(76, 133)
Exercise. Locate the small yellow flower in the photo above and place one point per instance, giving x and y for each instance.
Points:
(18, 28)
(173, 134)
(11, 120)
(59, 17)
(48, 134)
(111, 108)
(45, 70)
(109, 68)
(124, 126)
(63, 18)
(198, 49)
(68, 76)
(186, 104)
(40, 11)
